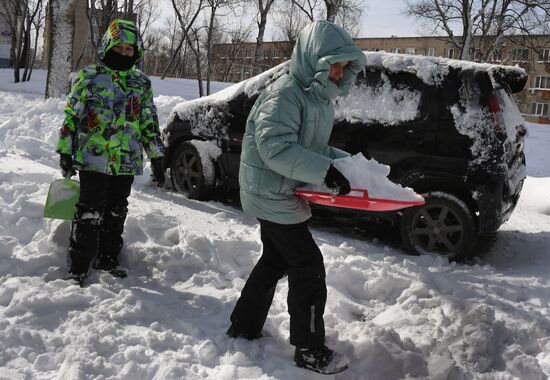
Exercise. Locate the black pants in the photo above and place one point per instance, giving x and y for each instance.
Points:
(99, 218)
(287, 249)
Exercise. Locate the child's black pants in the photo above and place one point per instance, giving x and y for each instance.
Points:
(99, 218)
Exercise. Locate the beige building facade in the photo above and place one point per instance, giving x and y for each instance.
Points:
(235, 62)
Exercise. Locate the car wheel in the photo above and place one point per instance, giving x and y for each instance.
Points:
(187, 172)
(443, 225)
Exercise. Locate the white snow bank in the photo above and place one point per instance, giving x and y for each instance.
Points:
(395, 316)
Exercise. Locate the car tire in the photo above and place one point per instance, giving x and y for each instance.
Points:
(187, 172)
(443, 225)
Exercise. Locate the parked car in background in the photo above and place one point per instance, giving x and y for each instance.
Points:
(451, 130)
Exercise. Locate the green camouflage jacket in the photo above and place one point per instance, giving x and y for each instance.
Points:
(110, 116)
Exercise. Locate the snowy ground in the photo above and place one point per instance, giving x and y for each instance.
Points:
(394, 315)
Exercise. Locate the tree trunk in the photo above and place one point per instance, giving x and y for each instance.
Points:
(20, 42)
(27, 50)
(209, 49)
(264, 11)
(332, 10)
(37, 32)
(197, 52)
(58, 81)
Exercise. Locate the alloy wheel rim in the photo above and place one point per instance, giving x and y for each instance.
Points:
(188, 172)
(437, 228)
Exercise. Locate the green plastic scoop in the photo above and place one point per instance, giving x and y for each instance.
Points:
(62, 197)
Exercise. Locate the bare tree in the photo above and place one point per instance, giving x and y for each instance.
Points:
(484, 23)
(60, 44)
(349, 16)
(212, 27)
(23, 17)
(309, 7)
(263, 7)
(288, 23)
(189, 34)
(34, 20)
(346, 13)
(229, 49)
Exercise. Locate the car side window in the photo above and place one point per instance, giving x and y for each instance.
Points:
(383, 98)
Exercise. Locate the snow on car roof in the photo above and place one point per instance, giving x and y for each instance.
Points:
(431, 70)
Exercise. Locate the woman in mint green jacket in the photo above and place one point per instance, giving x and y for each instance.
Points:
(285, 147)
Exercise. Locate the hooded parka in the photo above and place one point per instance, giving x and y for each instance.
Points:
(287, 131)
(110, 116)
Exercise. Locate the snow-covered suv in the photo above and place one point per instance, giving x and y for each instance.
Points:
(449, 129)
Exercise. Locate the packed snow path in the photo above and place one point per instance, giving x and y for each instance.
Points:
(395, 316)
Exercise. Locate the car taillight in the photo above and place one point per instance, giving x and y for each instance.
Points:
(494, 107)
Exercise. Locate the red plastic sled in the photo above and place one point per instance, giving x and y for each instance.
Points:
(357, 199)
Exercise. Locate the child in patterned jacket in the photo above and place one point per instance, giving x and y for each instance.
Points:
(110, 118)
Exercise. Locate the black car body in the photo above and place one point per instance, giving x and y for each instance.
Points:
(448, 129)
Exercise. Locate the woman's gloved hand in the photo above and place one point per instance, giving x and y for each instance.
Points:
(336, 182)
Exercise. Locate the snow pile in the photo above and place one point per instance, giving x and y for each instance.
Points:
(395, 316)
(382, 104)
(369, 174)
(209, 152)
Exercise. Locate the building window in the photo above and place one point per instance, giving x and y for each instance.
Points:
(539, 109)
(430, 52)
(450, 53)
(267, 54)
(496, 55)
(245, 69)
(544, 55)
(411, 51)
(276, 54)
(247, 53)
(395, 50)
(519, 54)
(542, 82)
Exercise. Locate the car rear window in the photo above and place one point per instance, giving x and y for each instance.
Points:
(382, 98)
(511, 115)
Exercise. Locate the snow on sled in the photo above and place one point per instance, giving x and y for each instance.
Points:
(62, 197)
(358, 199)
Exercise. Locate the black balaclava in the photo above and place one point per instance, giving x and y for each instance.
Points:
(119, 62)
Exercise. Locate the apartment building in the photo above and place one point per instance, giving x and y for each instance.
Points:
(5, 43)
(5, 39)
(235, 62)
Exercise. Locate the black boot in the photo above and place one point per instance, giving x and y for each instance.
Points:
(321, 360)
(110, 240)
(110, 264)
(83, 241)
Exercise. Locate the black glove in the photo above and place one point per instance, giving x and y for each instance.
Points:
(157, 167)
(66, 164)
(336, 182)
